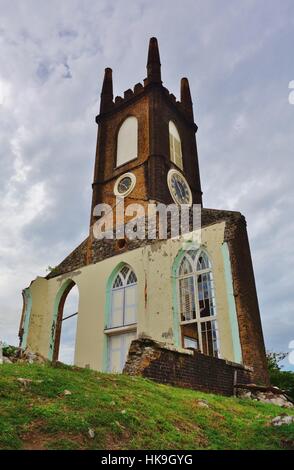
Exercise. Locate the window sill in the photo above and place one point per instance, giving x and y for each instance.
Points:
(119, 167)
(120, 329)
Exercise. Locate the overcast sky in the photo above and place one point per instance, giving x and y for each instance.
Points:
(238, 57)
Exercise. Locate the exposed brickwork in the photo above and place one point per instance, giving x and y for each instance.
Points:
(250, 328)
(197, 371)
(75, 260)
(103, 249)
(153, 106)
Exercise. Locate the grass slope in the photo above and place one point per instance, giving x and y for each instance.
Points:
(126, 413)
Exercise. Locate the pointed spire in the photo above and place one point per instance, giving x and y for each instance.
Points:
(186, 99)
(153, 62)
(107, 91)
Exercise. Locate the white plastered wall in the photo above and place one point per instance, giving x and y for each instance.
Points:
(153, 267)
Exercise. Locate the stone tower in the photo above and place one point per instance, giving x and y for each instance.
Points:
(151, 108)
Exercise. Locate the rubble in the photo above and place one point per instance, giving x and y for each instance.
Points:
(202, 404)
(13, 354)
(283, 419)
(271, 395)
(26, 382)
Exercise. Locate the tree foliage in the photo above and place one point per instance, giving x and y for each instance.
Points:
(283, 379)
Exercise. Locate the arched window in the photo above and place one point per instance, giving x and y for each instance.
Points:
(127, 141)
(123, 299)
(197, 307)
(121, 327)
(175, 146)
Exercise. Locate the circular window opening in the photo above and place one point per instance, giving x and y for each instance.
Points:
(125, 184)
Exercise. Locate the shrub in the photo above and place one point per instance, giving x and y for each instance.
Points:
(283, 379)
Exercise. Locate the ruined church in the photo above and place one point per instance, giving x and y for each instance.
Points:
(182, 314)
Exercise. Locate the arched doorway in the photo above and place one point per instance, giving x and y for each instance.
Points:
(65, 323)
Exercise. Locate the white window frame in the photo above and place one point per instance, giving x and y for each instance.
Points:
(123, 288)
(198, 320)
(124, 328)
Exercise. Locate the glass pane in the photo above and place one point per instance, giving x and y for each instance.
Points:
(132, 279)
(187, 299)
(193, 254)
(203, 262)
(205, 295)
(124, 271)
(116, 317)
(185, 267)
(209, 336)
(130, 305)
(117, 282)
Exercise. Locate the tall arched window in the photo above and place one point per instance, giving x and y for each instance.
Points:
(175, 146)
(127, 141)
(122, 319)
(197, 307)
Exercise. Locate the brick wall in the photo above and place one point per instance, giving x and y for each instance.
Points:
(250, 328)
(184, 369)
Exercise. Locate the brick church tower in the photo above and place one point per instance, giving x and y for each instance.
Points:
(194, 307)
(146, 112)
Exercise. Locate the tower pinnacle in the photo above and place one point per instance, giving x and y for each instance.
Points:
(107, 91)
(153, 62)
(186, 99)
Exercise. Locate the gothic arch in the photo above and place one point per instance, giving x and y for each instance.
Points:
(195, 314)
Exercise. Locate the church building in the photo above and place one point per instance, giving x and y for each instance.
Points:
(194, 300)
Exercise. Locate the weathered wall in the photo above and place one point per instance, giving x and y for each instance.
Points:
(224, 237)
(251, 336)
(185, 369)
(40, 318)
(157, 304)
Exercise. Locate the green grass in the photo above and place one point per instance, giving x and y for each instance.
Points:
(126, 413)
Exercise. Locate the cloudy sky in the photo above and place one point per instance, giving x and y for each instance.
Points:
(238, 57)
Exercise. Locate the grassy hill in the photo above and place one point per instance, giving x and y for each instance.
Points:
(126, 413)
